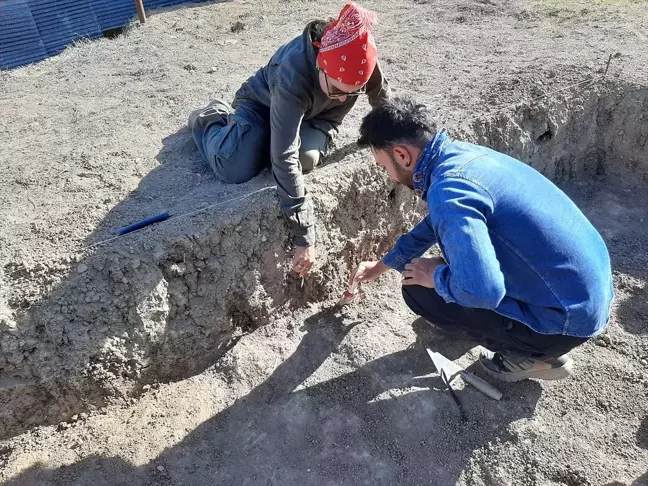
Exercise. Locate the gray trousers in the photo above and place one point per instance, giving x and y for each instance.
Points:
(236, 144)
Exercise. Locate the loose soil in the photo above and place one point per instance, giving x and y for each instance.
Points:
(264, 382)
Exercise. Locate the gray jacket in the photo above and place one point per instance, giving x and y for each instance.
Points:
(288, 89)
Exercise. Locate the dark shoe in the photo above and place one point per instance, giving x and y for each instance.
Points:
(509, 367)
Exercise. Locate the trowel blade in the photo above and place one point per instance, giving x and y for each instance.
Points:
(452, 370)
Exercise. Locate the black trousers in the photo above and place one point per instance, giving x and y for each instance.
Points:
(488, 328)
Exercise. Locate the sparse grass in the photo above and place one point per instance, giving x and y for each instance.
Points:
(573, 8)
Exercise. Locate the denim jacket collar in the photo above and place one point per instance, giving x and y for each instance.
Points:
(427, 161)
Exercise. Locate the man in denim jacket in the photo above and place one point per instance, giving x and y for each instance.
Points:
(523, 270)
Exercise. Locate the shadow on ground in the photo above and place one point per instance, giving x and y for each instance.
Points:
(384, 423)
(180, 183)
(642, 441)
(88, 309)
(183, 182)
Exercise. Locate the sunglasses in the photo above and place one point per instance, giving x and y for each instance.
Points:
(336, 93)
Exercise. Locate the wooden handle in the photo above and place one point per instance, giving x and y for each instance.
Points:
(141, 13)
(481, 385)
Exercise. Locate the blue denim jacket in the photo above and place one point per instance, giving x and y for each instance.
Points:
(513, 241)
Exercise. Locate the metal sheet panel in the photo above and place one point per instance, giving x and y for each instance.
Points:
(20, 41)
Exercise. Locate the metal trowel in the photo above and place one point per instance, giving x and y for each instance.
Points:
(452, 370)
(352, 295)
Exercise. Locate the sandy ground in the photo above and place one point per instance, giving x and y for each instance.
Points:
(320, 397)
(326, 397)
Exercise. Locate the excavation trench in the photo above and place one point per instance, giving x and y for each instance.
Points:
(167, 302)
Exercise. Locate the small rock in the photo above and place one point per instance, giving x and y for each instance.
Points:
(237, 27)
(231, 41)
(82, 268)
(264, 238)
(146, 387)
(160, 468)
(74, 418)
(212, 70)
(98, 466)
(189, 67)
(178, 269)
(617, 54)
(604, 341)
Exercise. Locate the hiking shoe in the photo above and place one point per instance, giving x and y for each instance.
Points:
(511, 367)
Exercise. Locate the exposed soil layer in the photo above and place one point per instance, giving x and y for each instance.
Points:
(94, 140)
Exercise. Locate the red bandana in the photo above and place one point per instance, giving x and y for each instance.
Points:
(348, 51)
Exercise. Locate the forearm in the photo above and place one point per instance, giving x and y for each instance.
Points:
(380, 269)
(411, 245)
(286, 116)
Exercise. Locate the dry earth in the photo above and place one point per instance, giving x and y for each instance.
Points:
(94, 139)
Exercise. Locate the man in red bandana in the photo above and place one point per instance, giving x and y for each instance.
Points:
(287, 113)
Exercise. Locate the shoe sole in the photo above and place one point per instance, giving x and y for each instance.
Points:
(551, 374)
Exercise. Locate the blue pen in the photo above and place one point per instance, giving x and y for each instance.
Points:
(145, 222)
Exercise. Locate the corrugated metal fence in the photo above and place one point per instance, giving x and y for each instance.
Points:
(31, 30)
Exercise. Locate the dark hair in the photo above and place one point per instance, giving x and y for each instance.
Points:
(317, 28)
(399, 120)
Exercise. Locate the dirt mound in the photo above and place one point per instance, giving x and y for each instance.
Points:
(86, 322)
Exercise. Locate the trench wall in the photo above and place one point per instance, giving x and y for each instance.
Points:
(167, 302)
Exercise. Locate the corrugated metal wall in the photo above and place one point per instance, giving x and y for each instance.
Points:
(20, 41)
(114, 13)
(31, 30)
(60, 22)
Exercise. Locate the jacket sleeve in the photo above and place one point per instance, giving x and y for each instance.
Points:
(411, 245)
(472, 277)
(286, 114)
(378, 90)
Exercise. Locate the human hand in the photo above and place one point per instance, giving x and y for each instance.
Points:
(303, 260)
(420, 271)
(367, 272)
